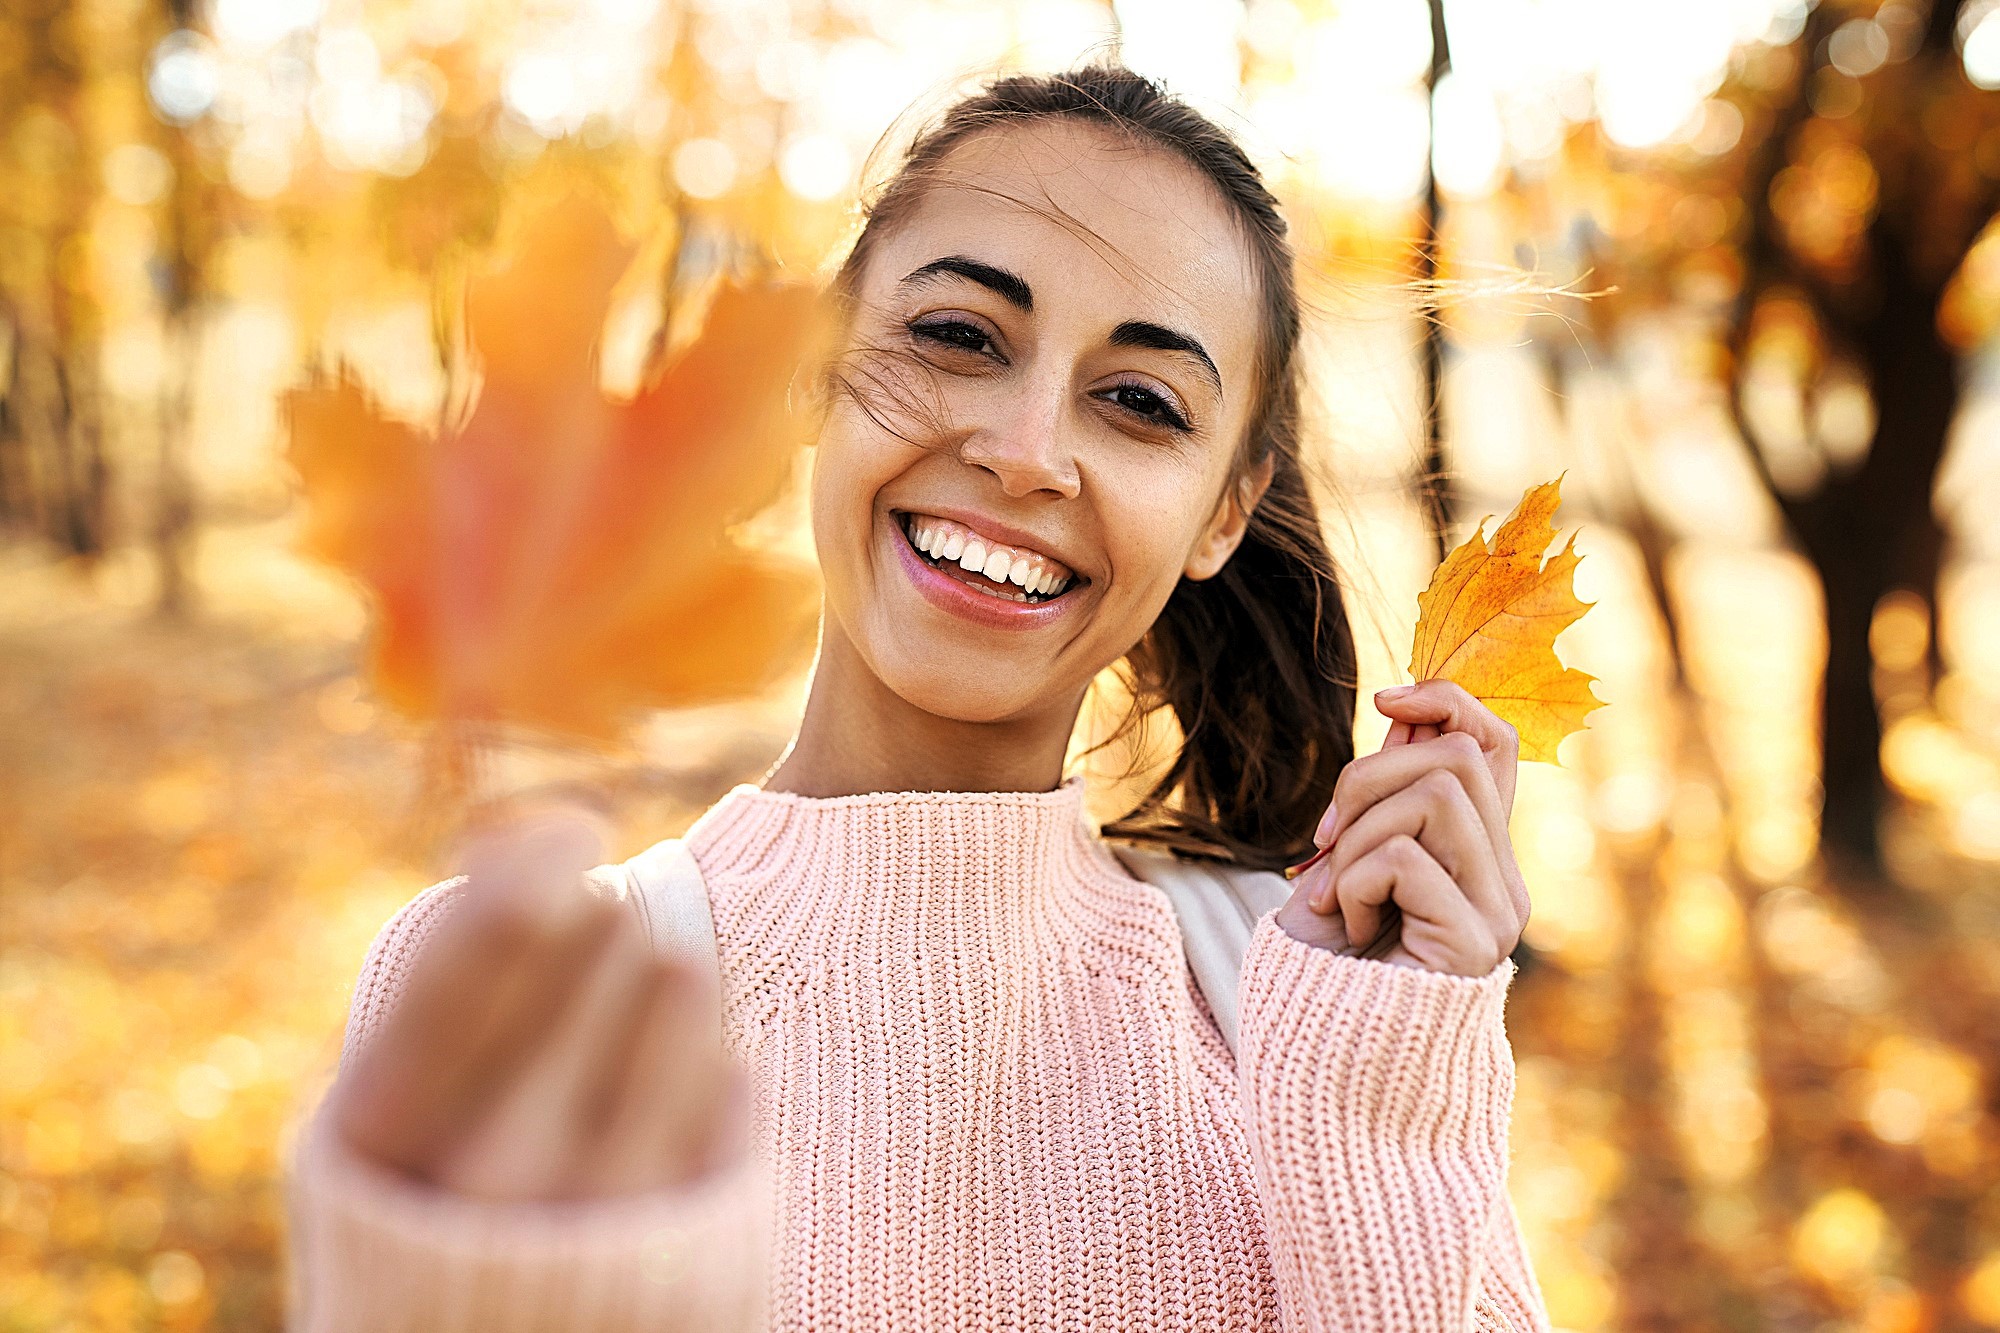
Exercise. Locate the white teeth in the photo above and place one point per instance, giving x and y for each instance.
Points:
(946, 541)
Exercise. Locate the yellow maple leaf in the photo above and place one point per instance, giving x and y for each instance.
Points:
(1489, 620)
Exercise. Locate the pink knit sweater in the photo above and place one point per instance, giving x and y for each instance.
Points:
(988, 1095)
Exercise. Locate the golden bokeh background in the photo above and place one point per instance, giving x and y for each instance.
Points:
(1725, 264)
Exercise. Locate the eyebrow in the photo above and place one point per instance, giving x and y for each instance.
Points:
(1013, 288)
(1158, 337)
(1010, 287)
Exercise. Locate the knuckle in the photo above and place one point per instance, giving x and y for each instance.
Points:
(1351, 774)
(1447, 692)
(1442, 784)
(1404, 852)
(1463, 746)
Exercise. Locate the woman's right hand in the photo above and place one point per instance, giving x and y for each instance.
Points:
(540, 1050)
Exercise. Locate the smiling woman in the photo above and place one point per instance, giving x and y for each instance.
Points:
(984, 1088)
(1072, 317)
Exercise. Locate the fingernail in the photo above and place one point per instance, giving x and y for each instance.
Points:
(1328, 822)
(1395, 692)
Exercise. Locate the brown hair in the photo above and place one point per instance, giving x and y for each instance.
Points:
(1256, 663)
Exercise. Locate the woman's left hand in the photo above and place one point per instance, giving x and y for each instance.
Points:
(1422, 824)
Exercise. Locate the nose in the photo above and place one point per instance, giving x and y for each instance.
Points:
(1027, 448)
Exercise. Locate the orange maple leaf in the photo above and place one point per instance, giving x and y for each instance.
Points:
(1489, 619)
(563, 558)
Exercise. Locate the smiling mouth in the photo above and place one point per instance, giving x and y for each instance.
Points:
(1007, 573)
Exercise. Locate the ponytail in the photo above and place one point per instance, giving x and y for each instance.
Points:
(1257, 665)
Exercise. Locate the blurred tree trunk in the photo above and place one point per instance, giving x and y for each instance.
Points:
(174, 495)
(56, 473)
(56, 476)
(13, 458)
(1434, 485)
(1874, 530)
(184, 243)
(86, 472)
(1869, 529)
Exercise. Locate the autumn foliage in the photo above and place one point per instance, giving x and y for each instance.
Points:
(1489, 619)
(562, 557)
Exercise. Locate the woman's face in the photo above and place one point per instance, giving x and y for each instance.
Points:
(1078, 318)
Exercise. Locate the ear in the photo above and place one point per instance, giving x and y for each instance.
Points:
(1226, 526)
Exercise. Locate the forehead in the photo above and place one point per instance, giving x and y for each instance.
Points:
(1088, 215)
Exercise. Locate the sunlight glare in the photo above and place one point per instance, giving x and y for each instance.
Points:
(1979, 43)
(1469, 149)
(1190, 45)
(254, 24)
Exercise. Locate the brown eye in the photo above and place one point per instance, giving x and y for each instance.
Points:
(954, 333)
(1142, 402)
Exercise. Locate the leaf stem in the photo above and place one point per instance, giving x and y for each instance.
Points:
(1293, 872)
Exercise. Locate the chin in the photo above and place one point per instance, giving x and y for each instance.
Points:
(952, 685)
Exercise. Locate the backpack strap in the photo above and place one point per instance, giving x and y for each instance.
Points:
(1218, 907)
(665, 887)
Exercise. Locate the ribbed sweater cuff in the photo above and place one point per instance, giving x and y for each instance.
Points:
(379, 1252)
(1378, 1099)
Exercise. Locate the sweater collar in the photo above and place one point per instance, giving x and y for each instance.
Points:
(1000, 861)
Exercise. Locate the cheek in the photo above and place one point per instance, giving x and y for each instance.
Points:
(852, 461)
(836, 495)
(1147, 555)
(1160, 511)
